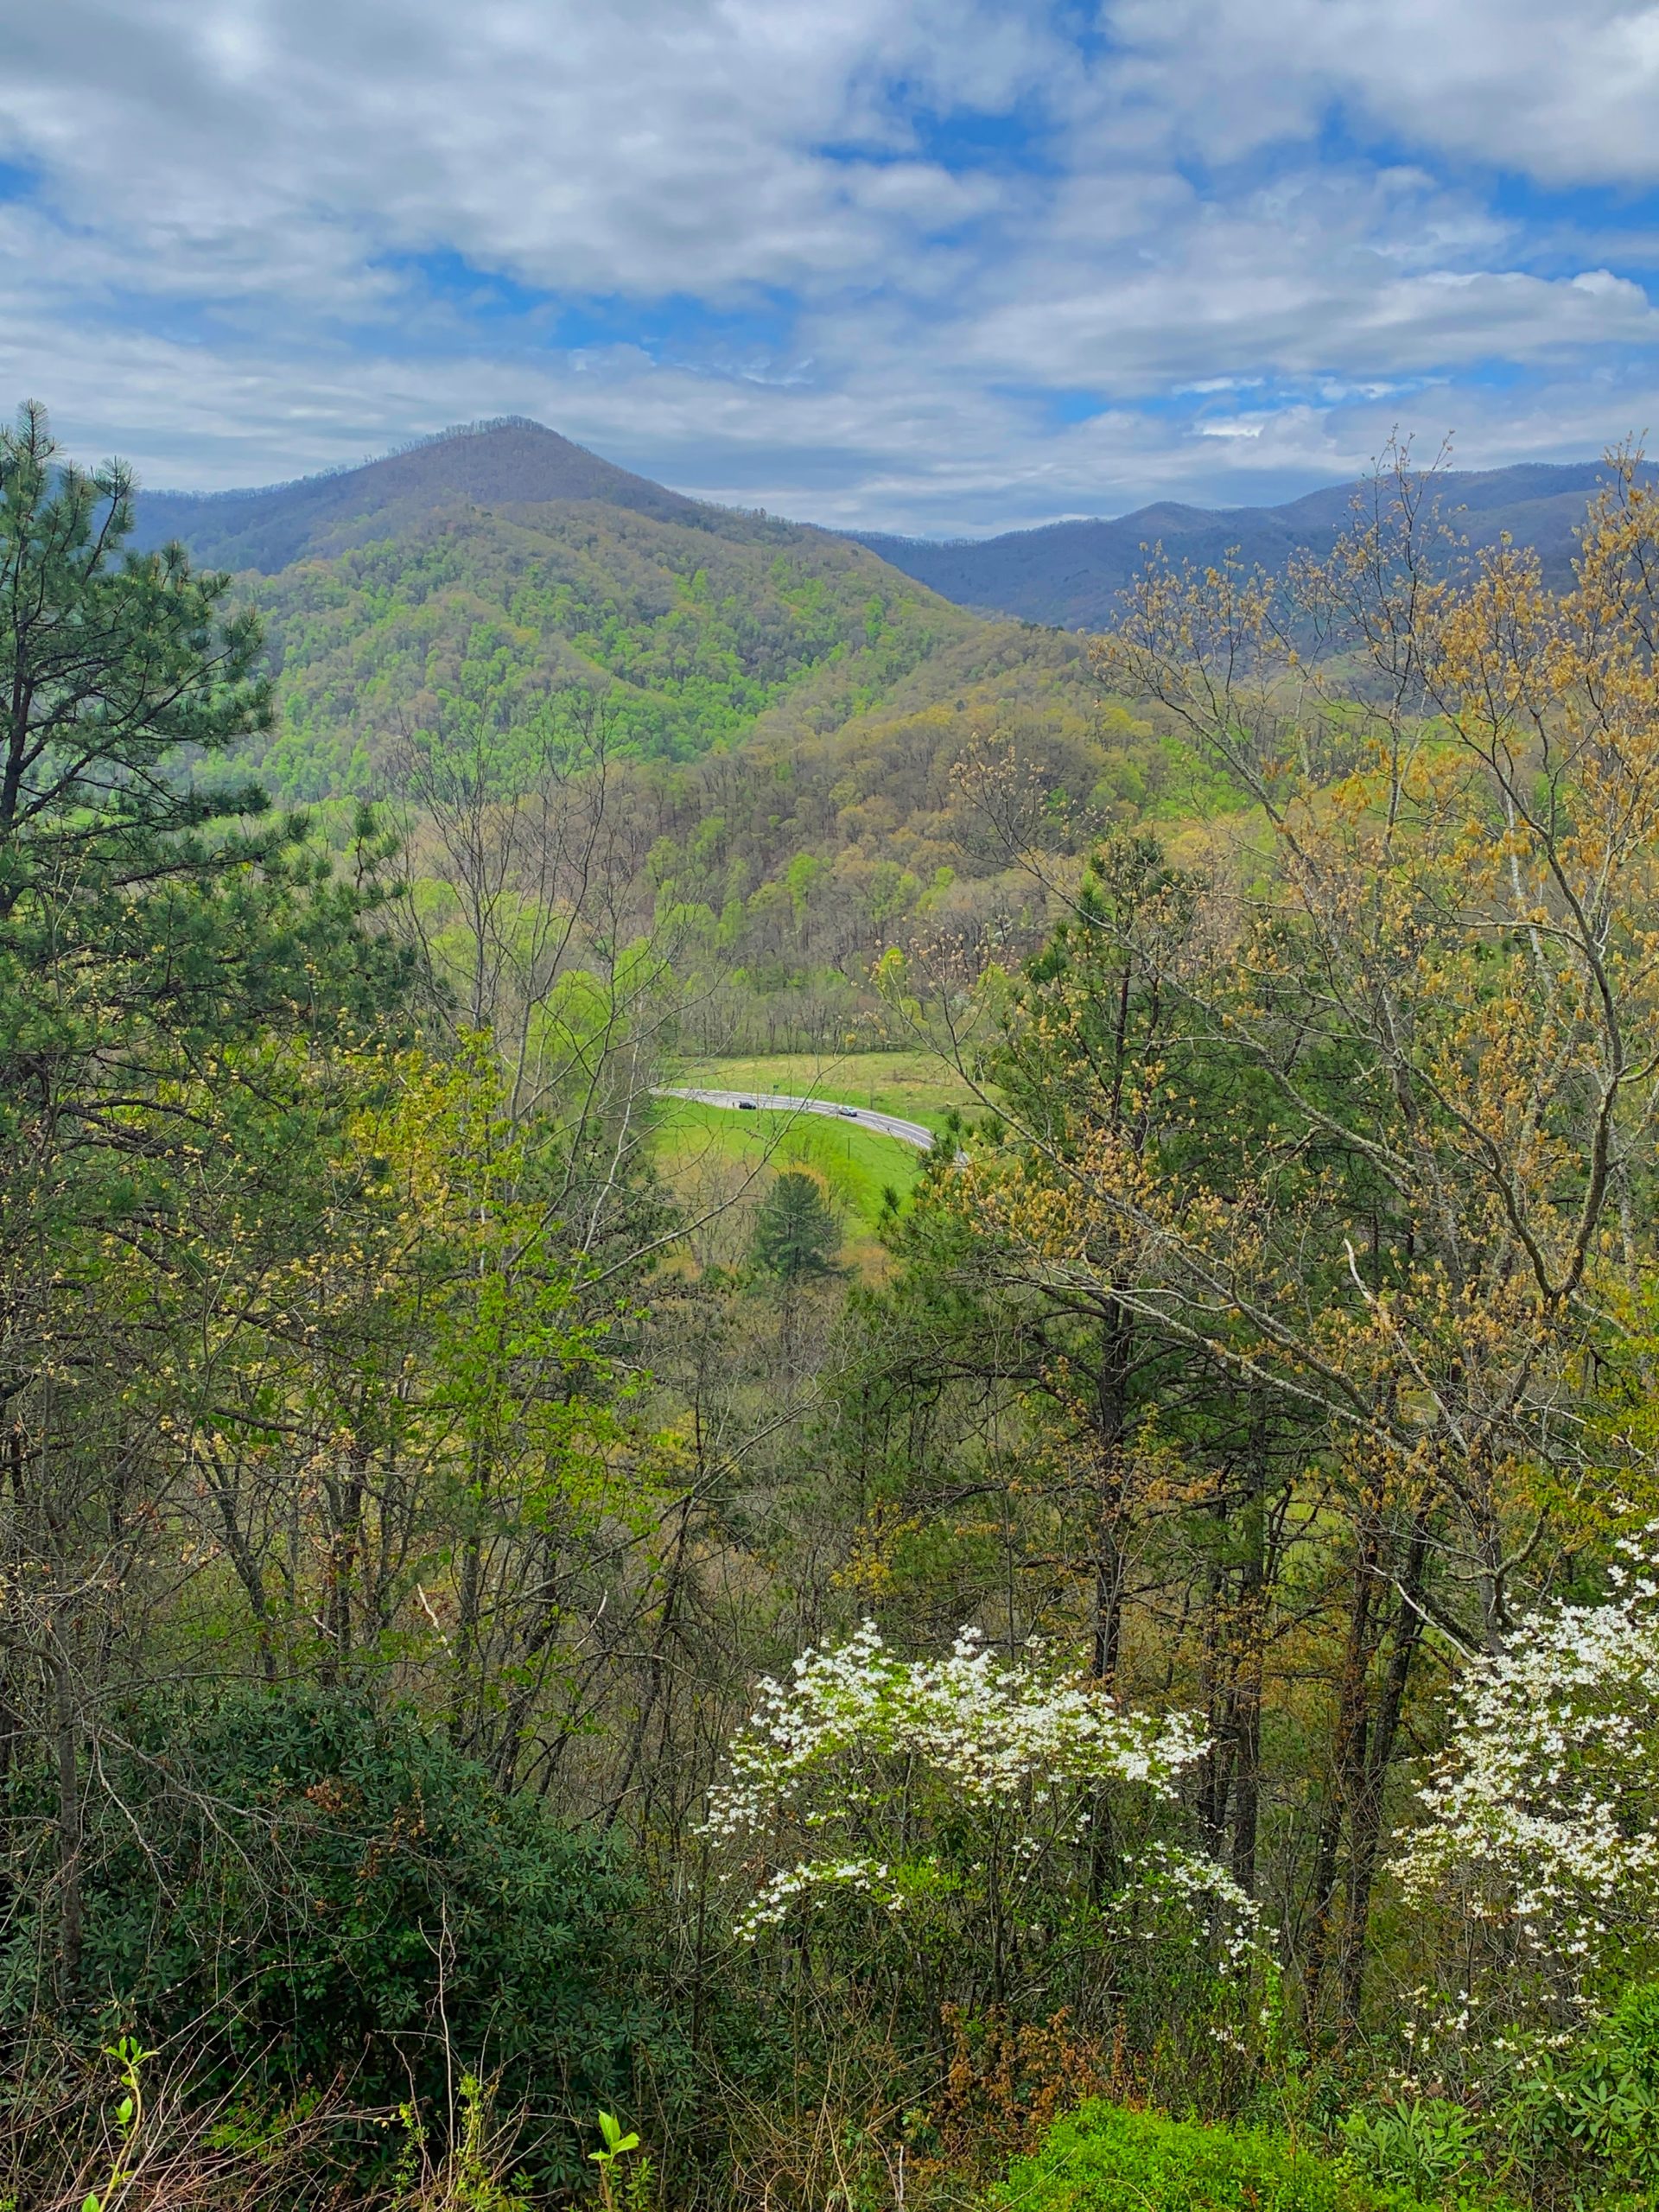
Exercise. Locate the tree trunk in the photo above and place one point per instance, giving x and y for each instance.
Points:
(69, 1838)
(1250, 1635)
(1106, 1632)
(1347, 1745)
(1365, 1825)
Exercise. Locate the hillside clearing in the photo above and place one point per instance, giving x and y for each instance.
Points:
(919, 1085)
(713, 1153)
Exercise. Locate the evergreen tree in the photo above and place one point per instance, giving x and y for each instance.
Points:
(107, 665)
(796, 1235)
(170, 962)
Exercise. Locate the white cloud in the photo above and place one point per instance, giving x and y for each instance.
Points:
(635, 147)
(1563, 93)
(248, 252)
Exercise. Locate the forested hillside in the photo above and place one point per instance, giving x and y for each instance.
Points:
(792, 732)
(496, 571)
(563, 1645)
(685, 635)
(808, 852)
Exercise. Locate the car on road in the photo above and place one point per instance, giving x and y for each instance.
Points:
(848, 1113)
(746, 1106)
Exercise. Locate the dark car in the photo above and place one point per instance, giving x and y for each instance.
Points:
(745, 1105)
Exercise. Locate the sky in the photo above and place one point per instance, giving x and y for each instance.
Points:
(941, 266)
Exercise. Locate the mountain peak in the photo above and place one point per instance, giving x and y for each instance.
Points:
(509, 460)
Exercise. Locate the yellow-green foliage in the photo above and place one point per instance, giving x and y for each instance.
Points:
(1105, 2159)
(688, 632)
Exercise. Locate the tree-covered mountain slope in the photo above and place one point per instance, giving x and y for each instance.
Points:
(490, 571)
(686, 637)
(945, 820)
(1070, 573)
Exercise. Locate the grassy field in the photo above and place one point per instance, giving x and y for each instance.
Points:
(915, 1085)
(714, 1149)
(721, 1161)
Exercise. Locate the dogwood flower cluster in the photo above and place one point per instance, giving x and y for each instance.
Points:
(1167, 1875)
(940, 1777)
(1545, 1805)
(992, 1728)
(770, 1907)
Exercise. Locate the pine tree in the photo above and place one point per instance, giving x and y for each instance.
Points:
(171, 961)
(796, 1235)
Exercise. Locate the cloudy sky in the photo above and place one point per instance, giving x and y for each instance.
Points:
(938, 265)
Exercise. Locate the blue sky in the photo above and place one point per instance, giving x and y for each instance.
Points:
(895, 263)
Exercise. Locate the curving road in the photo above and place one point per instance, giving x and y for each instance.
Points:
(862, 1117)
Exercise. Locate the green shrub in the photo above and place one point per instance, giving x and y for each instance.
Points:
(1426, 2146)
(297, 1885)
(1594, 2110)
(1106, 2159)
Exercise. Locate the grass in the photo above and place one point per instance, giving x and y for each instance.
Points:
(916, 1084)
(717, 1156)
(857, 1165)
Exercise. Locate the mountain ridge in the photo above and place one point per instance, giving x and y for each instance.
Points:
(1070, 574)
(483, 575)
(1064, 574)
(509, 460)
(488, 577)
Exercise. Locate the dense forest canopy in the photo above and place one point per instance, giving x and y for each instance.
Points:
(537, 1659)
(787, 723)
(689, 636)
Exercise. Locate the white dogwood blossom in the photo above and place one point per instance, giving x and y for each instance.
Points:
(992, 1728)
(950, 1778)
(1545, 1808)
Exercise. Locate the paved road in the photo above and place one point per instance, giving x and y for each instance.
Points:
(864, 1117)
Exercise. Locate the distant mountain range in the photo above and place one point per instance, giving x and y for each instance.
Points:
(1067, 576)
(1071, 573)
(790, 709)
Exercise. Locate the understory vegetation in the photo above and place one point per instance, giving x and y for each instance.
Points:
(559, 1642)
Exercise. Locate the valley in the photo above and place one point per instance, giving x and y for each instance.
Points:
(829, 1162)
(865, 1170)
(810, 1381)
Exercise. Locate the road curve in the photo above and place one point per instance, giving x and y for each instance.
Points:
(862, 1117)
